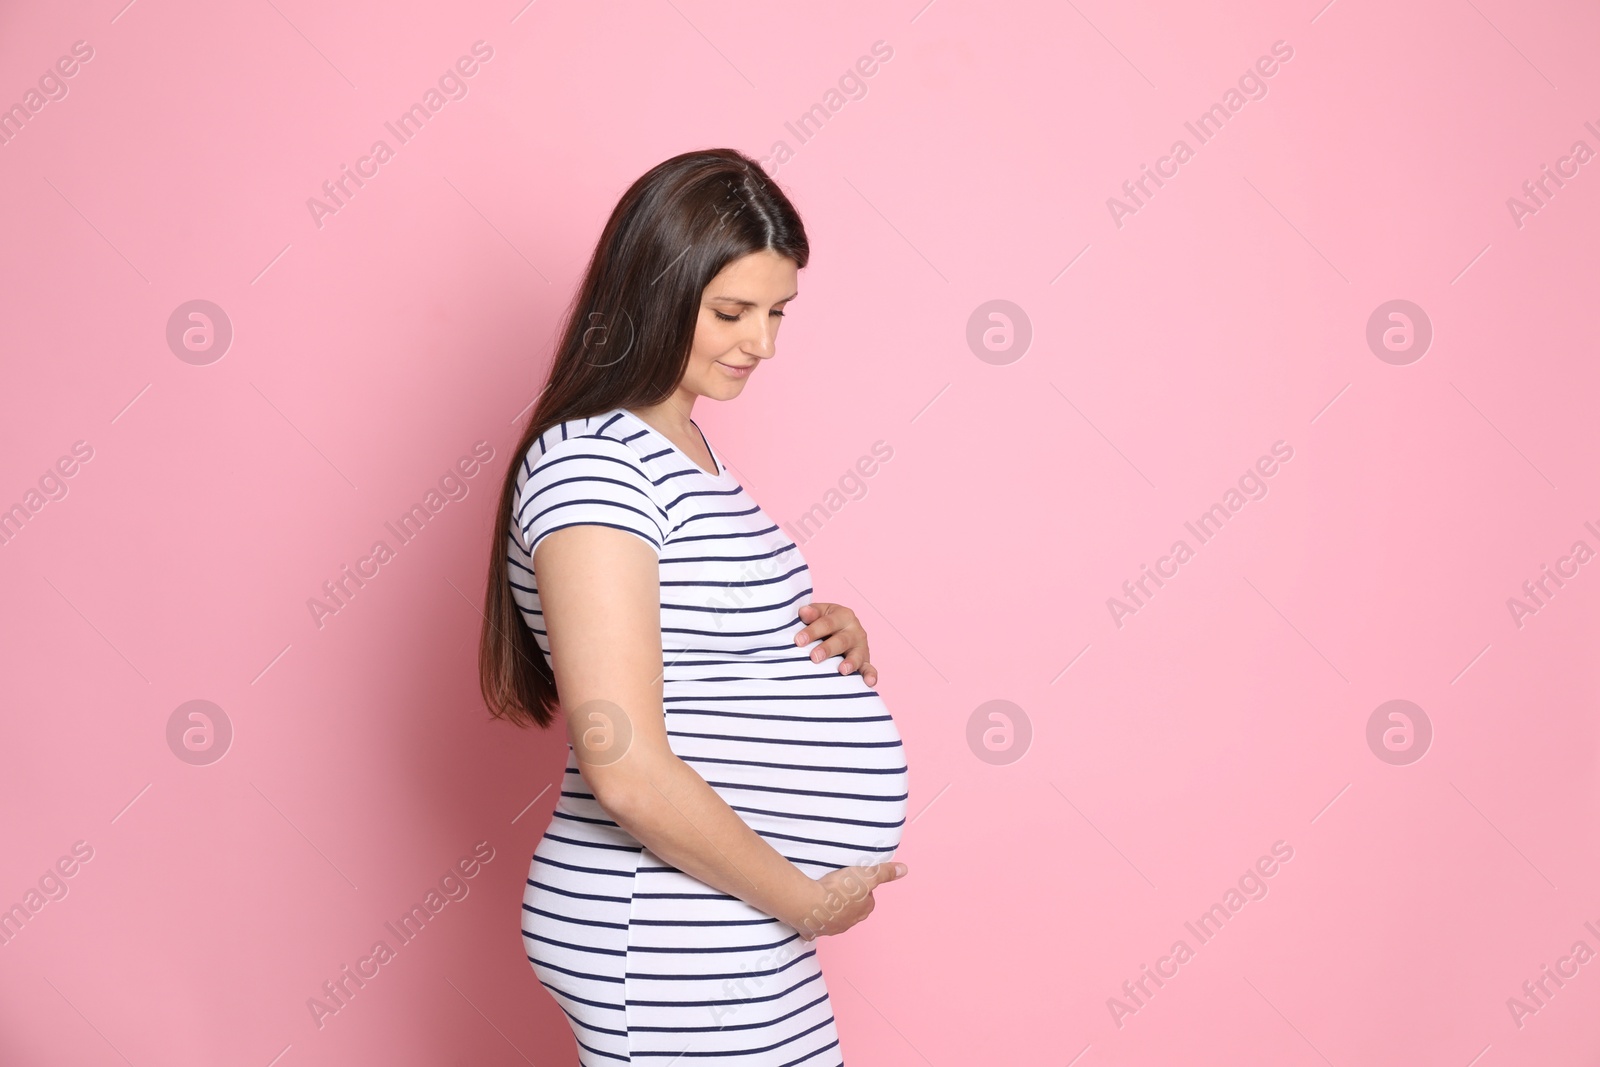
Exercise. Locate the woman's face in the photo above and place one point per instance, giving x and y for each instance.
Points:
(740, 312)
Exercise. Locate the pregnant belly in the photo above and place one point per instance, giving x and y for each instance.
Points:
(809, 758)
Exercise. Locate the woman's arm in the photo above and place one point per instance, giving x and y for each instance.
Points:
(599, 589)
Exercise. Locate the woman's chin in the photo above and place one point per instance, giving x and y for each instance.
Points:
(726, 390)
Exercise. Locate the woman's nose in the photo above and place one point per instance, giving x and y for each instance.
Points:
(764, 338)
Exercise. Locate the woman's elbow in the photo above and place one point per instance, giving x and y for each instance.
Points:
(623, 792)
(615, 799)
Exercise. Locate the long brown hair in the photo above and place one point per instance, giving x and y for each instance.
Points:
(625, 343)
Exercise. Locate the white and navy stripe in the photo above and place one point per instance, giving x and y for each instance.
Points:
(648, 963)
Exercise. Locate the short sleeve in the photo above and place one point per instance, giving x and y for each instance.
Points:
(594, 481)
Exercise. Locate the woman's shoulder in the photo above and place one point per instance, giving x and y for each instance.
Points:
(586, 471)
(607, 437)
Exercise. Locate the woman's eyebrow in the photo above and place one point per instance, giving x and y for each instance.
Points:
(750, 303)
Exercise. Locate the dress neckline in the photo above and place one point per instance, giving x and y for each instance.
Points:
(722, 474)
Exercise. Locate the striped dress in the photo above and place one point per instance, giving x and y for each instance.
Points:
(649, 964)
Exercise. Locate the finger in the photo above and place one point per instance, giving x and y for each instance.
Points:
(809, 613)
(817, 608)
(820, 624)
(823, 626)
(869, 674)
(869, 875)
(800, 637)
(837, 645)
(855, 660)
(887, 872)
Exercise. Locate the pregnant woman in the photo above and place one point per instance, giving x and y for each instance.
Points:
(730, 795)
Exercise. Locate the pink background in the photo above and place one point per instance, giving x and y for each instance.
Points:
(1227, 313)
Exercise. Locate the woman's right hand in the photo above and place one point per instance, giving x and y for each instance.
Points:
(842, 898)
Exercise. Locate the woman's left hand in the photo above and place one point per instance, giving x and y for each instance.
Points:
(844, 636)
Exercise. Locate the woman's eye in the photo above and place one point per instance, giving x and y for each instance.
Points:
(735, 318)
